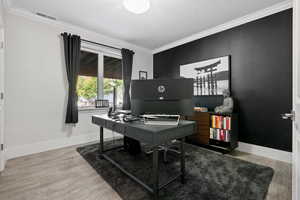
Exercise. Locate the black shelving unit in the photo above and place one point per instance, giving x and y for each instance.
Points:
(225, 146)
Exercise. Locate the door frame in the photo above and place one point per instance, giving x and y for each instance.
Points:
(296, 101)
(2, 110)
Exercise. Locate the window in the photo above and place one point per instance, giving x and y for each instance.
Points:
(99, 76)
(113, 79)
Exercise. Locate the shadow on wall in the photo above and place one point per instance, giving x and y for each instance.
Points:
(208, 101)
(212, 101)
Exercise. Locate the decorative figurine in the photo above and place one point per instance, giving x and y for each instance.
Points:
(227, 106)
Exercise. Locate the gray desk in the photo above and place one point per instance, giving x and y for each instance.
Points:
(153, 135)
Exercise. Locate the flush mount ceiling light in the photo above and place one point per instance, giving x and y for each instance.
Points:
(137, 6)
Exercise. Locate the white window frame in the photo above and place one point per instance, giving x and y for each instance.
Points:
(101, 52)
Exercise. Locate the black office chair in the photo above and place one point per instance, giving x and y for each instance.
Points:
(167, 147)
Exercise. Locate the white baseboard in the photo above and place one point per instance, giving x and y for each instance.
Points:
(274, 154)
(39, 147)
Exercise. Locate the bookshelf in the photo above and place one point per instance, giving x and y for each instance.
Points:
(223, 131)
(215, 131)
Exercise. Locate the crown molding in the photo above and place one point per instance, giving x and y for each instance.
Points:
(228, 25)
(69, 27)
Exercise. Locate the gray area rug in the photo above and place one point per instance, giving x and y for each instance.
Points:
(210, 176)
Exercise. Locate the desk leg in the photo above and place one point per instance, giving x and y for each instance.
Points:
(101, 148)
(155, 173)
(182, 160)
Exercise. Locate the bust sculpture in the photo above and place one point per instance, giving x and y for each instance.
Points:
(228, 103)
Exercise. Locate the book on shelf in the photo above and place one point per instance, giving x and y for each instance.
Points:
(221, 122)
(229, 123)
(227, 136)
(211, 133)
(220, 134)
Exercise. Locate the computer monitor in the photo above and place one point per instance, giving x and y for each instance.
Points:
(162, 96)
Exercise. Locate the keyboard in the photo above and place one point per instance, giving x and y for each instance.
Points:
(161, 119)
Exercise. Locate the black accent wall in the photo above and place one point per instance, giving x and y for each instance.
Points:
(261, 75)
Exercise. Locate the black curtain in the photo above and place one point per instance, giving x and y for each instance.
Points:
(72, 59)
(131, 145)
(127, 59)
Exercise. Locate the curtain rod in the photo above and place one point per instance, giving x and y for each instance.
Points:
(100, 44)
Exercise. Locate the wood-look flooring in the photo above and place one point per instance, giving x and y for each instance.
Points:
(64, 175)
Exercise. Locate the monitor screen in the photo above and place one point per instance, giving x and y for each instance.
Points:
(162, 96)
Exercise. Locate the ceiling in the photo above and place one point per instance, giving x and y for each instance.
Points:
(165, 22)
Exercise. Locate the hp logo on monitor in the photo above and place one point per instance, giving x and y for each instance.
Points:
(161, 89)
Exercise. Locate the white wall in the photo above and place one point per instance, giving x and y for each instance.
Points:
(1, 14)
(36, 85)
